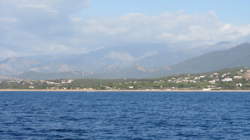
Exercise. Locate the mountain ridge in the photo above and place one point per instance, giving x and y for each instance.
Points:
(238, 56)
(152, 61)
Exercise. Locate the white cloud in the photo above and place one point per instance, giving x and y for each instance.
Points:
(167, 27)
(37, 26)
(46, 5)
(55, 26)
(121, 56)
(127, 58)
(8, 19)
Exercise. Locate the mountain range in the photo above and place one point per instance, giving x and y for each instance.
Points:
(126, 61)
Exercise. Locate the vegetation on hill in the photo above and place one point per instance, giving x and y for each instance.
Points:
(228, 79)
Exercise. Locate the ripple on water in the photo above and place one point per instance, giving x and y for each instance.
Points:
(123, 116)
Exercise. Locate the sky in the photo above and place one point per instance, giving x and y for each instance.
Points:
(33, 27)
(233, 11)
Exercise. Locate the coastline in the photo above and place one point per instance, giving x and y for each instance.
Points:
(154, 90)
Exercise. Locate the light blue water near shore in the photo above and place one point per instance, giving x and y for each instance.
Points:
(124, 116)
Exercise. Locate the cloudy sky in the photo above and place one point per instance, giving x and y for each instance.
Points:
(31, 27)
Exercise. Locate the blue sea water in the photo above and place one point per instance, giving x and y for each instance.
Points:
(124, 116)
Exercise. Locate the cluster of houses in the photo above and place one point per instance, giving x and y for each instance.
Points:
(247, 75)
(32, 84)
(211, 79)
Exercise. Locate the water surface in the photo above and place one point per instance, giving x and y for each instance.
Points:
(124, 116)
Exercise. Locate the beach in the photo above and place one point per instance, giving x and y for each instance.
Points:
(151, 90)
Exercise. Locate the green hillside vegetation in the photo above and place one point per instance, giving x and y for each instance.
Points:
(227, 79)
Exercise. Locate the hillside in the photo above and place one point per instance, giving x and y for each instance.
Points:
(228, 79)
(238, 56)
(126, 60)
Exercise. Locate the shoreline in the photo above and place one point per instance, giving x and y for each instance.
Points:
(154, 90)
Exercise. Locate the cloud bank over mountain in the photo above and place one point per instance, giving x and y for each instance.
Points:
(31, 27)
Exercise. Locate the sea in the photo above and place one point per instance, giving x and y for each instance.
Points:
(124, 115)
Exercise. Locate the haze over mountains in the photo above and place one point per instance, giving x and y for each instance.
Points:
(54, 39)
(238, 56)
(118, 61)
(129, 61)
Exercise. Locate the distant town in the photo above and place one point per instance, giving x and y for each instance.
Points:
(229, 79)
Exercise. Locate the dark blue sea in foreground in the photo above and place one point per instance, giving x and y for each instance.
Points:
(124, 116)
